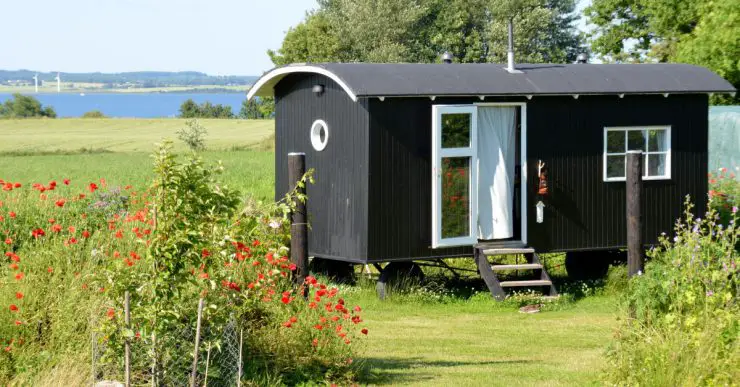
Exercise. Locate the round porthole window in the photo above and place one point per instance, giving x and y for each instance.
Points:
(319, 135)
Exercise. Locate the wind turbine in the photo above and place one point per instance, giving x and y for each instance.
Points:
(59, 83)
(36, 82)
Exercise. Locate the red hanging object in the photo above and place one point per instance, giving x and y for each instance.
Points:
(542, 188)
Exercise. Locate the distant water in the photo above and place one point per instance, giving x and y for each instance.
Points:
(141, 105)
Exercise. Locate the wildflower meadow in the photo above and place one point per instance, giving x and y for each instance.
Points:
(73, 249)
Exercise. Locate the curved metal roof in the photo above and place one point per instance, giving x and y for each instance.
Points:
(487, 79)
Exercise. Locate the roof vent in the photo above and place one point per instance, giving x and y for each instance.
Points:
(447, 57)
(582, 58)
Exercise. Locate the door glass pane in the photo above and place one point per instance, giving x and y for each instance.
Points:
(635, 140)
(456, 130)
(657, 141)
(615, 166)
(615, 141)
(455, 197)
(656, 165)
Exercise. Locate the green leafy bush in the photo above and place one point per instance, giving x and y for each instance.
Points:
(682, 324)
(93, 114)
(724, 193)
(193, 134)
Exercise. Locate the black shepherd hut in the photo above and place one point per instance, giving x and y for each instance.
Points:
(427, 161)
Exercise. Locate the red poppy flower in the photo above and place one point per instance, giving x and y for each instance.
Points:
(17, 185)
(12, 214)
(318, 326)
(205, 253)
(110, 313)
(71, 229)
(287, 324)
(286, 300)
(315, 342)
(8, 241)
(56, 228)
(19, 295)
(92, 187)
(256, 243)
(292, 267)
(39, 232)
(14, 266)
(13, 308)
(50, 269)
(66, 181)
(18, 322)
(85, 234)
(119, 234)
(364, 331)
(19, 276)
(358, 309)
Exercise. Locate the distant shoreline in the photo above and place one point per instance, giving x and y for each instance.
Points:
(205, 89)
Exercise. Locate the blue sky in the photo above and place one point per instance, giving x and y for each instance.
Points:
(213, 36)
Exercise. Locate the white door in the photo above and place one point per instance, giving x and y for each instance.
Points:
(454, 175)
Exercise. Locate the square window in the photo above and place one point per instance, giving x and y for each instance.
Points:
(654, 142)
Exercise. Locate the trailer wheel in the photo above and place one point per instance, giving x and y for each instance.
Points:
(588, 265)
(337, 271)
(397, 275)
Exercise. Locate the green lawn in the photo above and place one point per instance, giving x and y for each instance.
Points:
(463, 342)
(479, 343)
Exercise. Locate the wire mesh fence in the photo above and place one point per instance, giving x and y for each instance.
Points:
(171, 360)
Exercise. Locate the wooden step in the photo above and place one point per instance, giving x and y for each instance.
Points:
(525, 266)
(513, 284)
(508, 251)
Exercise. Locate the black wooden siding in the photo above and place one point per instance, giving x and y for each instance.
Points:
(337, 205)
(583, 211)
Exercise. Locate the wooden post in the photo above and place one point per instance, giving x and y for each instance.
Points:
(127, 353)
(299, 224)
(208, 360)
(197, 344)
(634, 216)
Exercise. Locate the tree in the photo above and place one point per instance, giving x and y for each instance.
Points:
(420, 30)
(190, 109)
(23, 106)
(701, 32)
(257, 108)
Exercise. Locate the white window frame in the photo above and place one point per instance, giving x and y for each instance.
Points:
(438, 153)
(667, 152)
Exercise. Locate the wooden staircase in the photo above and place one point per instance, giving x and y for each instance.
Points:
(490, 272)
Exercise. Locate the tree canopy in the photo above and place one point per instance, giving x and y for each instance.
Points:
(24, 106)
(701, 32)
(418, 31)
(190, 109)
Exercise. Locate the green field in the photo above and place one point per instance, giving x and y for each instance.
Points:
(413, 341)
(123, 135)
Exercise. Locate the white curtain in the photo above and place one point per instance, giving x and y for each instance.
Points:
(496, 162)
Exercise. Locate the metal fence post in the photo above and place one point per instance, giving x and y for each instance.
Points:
(197, 344)
(239, 373)
(127, 353)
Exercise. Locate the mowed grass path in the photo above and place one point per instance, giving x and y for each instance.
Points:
(123, 135)
(479, 343)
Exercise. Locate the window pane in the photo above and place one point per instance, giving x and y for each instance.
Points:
(615, 141)
(455, 197)
(635, 140)
(615, 166)
(456, 130)
(657, 141)
(656, 165)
